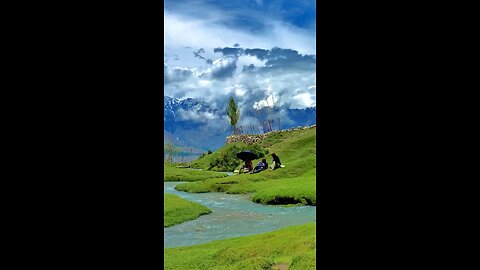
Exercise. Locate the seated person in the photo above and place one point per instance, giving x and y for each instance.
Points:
(276, 161)
(247, 167)
(262, 165)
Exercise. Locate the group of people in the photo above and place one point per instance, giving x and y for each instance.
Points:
(262, 165)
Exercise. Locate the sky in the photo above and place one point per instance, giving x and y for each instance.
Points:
(260, 52)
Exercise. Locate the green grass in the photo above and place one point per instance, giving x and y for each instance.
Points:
(294, 246)
(290, 185)
(174, 174)
(178, 210)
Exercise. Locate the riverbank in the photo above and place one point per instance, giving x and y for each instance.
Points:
(292, 247)
(294, 184)
(178, 210)
(173, 174)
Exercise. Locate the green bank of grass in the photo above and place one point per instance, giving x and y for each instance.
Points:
(292, 190)
(178, 210)
(174, 174)
(290, 185)
(295, 190)
(292, 246)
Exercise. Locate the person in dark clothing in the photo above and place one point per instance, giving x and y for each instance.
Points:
(265, 164)
(262, 165)
(276, 161)
(247, 167)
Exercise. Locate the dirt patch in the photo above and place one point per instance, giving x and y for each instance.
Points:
(280, 266)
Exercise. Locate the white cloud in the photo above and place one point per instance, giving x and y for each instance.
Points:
(252, 90)
(246, 60)
(304, 100)
(204, 83)
(196, 116)
(181, 31)
(212, 82)
(268, 102)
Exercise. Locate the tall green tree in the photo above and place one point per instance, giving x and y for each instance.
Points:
(233, 113)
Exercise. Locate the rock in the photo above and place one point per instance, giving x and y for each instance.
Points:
(253, 138)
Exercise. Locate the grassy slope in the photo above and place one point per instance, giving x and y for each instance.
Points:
(294, 246)
(293, 184)
(178, 210)
(204, 162)
(174, 174)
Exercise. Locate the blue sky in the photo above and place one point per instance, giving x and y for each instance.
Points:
(258, 51)
(250, 14)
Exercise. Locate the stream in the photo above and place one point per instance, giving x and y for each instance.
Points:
(232, 215)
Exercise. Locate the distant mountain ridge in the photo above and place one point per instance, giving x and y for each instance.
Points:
(172, 105)
(190, 133)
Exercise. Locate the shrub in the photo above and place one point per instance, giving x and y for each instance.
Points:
(228, 161)
(209, 152)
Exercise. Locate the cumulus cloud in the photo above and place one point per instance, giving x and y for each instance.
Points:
(275, 63)
(268, 102)
(256, 78)
(304, 99)
(177, 74)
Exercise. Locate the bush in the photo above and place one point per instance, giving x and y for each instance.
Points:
(209, 152)
(257, 149)
(228, 160)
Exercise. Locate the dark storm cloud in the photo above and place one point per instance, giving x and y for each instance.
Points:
(249, 68)
(276, 58)
(259, 53)
(227, 51)
(197, 54)
(289, 59)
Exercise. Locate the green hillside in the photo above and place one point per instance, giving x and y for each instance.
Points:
(294, 184)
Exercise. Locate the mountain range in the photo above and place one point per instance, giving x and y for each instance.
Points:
(195, 124)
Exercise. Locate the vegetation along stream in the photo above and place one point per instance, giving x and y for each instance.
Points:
(232, 215)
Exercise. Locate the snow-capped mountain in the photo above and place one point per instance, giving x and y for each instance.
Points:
(194, 123)
(172, 106)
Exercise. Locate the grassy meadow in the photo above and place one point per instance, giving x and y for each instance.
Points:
(294, 184)
(292, 247)
(174, 174)
(178, 210)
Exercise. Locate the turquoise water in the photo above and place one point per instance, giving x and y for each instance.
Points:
(232, 216)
